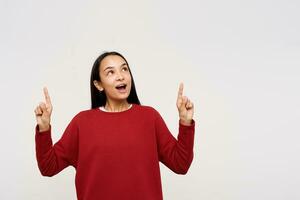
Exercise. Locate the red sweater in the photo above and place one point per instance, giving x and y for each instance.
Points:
(116, 154)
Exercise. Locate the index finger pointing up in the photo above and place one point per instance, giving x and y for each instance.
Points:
(180, 91)
(47, 97)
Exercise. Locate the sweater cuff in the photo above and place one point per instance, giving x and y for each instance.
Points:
(37, 130)
(187, 128)
(43, 141)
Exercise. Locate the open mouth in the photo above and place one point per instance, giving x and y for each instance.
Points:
(121, 87)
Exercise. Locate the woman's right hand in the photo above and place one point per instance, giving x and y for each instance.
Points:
(43, 112)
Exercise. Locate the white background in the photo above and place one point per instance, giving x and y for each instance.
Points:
(239, 61)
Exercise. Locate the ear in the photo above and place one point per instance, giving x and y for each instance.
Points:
(98, 85)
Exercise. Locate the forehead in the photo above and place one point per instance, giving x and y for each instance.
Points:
(112, 61)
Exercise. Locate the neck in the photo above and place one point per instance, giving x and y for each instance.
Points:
(116, 106)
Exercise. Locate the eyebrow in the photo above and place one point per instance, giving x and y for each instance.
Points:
(110, 67)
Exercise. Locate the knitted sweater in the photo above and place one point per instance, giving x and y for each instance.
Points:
(116, 154)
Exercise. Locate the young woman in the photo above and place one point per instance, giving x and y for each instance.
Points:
(116, 145)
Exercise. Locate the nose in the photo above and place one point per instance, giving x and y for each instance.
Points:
(120, 76)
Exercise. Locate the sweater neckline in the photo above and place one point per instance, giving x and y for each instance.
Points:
(115, 113)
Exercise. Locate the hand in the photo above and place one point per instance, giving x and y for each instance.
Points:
(185, 107)
(43, 112)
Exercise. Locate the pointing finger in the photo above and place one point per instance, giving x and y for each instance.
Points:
(184, 101)
(180, 90)
(47, 97)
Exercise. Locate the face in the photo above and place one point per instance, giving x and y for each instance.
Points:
(115, 78)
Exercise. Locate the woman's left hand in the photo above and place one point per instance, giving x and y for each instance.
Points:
(185, 107)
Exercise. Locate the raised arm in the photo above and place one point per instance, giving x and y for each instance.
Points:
(177, 155)
(51, 158)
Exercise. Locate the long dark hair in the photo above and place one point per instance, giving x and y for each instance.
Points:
(99, 98)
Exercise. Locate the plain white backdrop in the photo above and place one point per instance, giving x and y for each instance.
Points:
(239, 61)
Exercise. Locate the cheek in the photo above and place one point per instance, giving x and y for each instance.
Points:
(106, 82)
(129, 77)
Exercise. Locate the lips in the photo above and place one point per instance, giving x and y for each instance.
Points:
(121, 86)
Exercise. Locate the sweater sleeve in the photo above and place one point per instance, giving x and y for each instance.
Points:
(177, 155)
(52, 159)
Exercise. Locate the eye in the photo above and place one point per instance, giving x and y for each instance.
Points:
(125, 69)
(110, 72)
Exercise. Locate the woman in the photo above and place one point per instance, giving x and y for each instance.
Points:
(116, 146)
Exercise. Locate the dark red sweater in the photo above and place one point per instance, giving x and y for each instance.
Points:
(116, 154)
